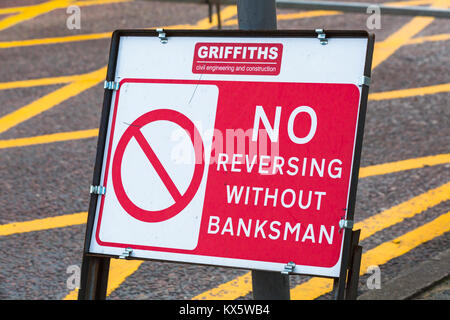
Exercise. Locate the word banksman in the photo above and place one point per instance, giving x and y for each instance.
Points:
(273, 230)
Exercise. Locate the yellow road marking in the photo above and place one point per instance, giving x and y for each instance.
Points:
(11, 10)
(433, 38)
(226, 13)
(43, 224)
(231, 290)
(235, 289)
(388, 47)
(408, 3)
(118, 270)
(379, 255)
(402, 211)
(402, 165)
(401, 245)
(49, 138)
(52, 99)
(76, 3)
(46, 81)
(412, 92)
(84, 3)
(306, 14)
(42, 41)
(31, 12)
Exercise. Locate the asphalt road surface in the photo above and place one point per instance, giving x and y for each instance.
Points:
(51, 93)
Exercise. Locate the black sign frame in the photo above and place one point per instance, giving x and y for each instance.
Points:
(95, 267)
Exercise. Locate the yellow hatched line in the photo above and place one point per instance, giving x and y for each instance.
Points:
(74, 38)
(293, 16)
(43, 224)
(407, 209)
(46, 81)
(412, 92)
(77, 3)
(242, 285)
(403, 165)
(85, 3)
(49, 138)
(409, 3)
(384, 49)
(379, 255)
(433, 38)
(52, 99)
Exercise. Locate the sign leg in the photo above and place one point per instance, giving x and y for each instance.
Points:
(346, 286)
(94, 278)
(353, 275)
(340, 285)
(268, 285)
(354, 267)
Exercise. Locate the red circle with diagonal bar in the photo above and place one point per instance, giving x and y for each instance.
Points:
(181, 200)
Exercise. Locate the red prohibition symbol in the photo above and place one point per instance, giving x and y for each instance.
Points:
(181, 200)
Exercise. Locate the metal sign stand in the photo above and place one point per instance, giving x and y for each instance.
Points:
(346, 286)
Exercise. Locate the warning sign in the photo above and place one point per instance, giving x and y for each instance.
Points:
(218, 163)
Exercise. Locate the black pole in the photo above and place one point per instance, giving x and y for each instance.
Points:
(257, 14)
(261, 15)
(94, 278)
(269, 285)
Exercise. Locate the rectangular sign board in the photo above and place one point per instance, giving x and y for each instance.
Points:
(231, 148)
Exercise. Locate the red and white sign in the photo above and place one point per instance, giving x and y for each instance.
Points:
(234, 172)
(238, 58)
